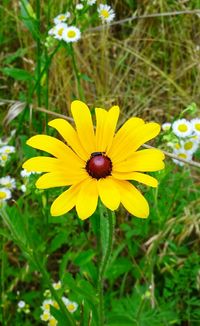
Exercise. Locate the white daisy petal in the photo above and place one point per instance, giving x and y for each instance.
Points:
(60, 30)
(196, 125)
(182, 128)
(8, 182)
(71, 34)
(5, 194)
(181, 153)
(166, 126)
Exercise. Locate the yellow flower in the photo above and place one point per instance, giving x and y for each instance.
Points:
(97, 163)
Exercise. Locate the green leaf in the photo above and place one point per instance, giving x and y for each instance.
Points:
(86, 78)
(84, 257)
(18, 74)
(29, 18)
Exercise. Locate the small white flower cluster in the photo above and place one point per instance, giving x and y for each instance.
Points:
(7, 184)
(187, 139)
(5, 152)
(47, 303)
(22, 306)
(61, 31)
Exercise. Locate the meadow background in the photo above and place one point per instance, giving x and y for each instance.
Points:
(148, 66)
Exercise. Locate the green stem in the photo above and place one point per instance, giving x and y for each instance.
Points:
(77, 74)
(106, 224)
(38, 53)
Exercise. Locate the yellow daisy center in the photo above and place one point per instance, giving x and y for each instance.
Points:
(182, 155)
(70, 307)
(52, 322)
(105, 13)
(177, 146)
(197, 126)
(45, 316)
(47, 306)
(188, 145)
(182, 128)
(2, 195)
(55, 304)
(71, 34)
(61, 17)
(60, 31)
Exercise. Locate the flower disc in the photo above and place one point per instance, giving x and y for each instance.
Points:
(99, 166)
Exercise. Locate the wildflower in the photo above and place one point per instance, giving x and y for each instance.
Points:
(52, 321)
(97, 164)
(71, 306)
(106, 13)
(45, 315)
(52, 31)
(5, 194)
(57, 285)
(61, 18)
(196, 125)
(59, 31)
(190, 145)
(182, 128)
(8, 182)
(7, 149)
(79, 6)
(3, 159)
(23, 188)
(25, 174)
(46, 304)
(91, 2)
(166, 126)
(47, 293)
(71, 34)
(181, 153)
(21, 304)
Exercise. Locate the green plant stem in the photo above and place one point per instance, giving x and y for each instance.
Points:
(38, 53)
(106, 232)
(77, 74)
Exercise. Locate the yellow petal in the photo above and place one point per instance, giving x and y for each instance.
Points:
(105, 128)
(124, 136)
(109, 193)
(133, 200)
(87, 199)
(55, 147)
(146, 160)
(137, 137)
(42, 164)
(84, 125)
(70, 136)
(66, 201)
(59, 179)
(140, 177)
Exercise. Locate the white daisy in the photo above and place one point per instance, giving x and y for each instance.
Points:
(71, 34)
(59, 31)
(181, 153)
(45, 315)
(61, 18)
(3, 159)
(23, 188)
(52, 321)
(25, 174)
(190, 145)
(166, 126)
(106, 13)
(196, 125)
(65, 300)
(7, 149)
(182, 128)
(21, 304)
(57, 285)
(72, 306)
(5, 194)
(91, 2)
(46, 304)
(52, 31)
(8, 182)
(79, 6)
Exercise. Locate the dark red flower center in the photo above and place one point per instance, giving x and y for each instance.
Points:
(99, 166)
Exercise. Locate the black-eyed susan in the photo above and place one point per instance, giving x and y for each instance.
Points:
(97, 163)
